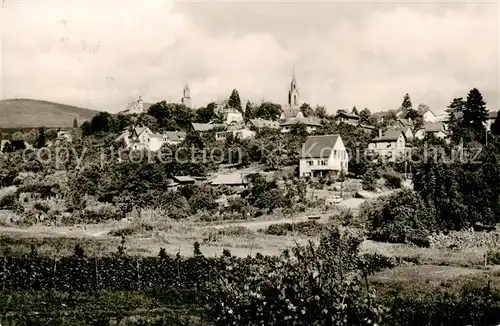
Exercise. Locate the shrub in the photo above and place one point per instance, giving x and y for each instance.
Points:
(8, 201)
(308, 228)
(323, 283)
(101, 212)
(393, 179)
(369, 179)
(131, 229)
(401, 217)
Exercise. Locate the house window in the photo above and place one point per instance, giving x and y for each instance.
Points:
(324, 162)
(335, 153)
(310, 163)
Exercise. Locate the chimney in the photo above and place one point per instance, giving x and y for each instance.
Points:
(380, 133)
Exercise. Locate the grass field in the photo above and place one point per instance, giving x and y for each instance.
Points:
(36, 113)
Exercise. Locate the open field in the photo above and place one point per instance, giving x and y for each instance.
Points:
(241, 238)
(36, 113)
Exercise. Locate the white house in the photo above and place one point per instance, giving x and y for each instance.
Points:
(237, 132)
(231, 115)
(429, 116)
(311, 125)
(436, 128)
(323, 154)
(142, 138)
(391, 144)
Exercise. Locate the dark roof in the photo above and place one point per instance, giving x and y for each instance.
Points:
(389, 136)
(206, 126)
(347, 115)
(306, 121)
(405, 122)
(319, 146)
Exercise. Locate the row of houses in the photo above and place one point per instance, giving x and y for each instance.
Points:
(142, 138)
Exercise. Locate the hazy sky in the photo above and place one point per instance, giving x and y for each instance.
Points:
(103, 54)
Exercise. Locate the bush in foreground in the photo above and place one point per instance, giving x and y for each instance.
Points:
(326, 284)
(402, 217)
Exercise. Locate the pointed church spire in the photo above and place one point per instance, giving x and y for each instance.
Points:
(293, 93)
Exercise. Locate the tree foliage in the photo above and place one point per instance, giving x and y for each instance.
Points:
(234, 100)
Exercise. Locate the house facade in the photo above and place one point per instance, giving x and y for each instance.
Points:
(142, 138)
(437, 129)
(241, 133)
(322, 155)
(311, 125)
(348, 118)
(429, 116)
(392, 144)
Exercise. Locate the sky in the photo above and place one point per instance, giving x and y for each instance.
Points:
(103, 54)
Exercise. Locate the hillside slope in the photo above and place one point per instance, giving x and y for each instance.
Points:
(36, 113)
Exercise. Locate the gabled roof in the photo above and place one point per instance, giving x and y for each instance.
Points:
(290, 112)
(433, 127)
(347, 115)
(262, 123)
(389, 136)
(405, 122)
(428, 110)
(229, 179)
(206, 126)
(160, 136)
(136, 130)
(319, 146)
(307, 121)
(175, 135)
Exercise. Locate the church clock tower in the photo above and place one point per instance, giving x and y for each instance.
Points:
(186, 97)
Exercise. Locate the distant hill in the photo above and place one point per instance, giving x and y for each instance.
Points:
(36, 113)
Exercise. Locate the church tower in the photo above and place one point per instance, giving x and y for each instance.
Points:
(186, 97)
(293, 93)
